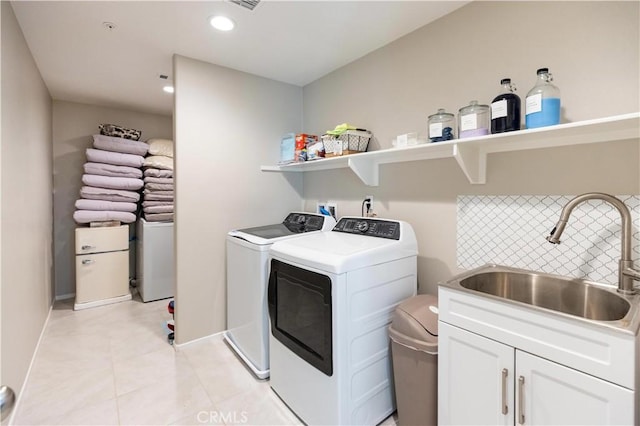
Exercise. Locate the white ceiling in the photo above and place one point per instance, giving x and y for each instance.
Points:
(291, 41)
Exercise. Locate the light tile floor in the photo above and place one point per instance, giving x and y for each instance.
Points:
(112, 365)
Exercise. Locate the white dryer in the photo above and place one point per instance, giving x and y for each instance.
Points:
(247, 273)
(331, 299)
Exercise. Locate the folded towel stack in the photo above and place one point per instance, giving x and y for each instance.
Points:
(112, 178)
(157, 204)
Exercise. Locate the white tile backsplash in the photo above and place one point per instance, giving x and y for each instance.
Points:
(511, 230)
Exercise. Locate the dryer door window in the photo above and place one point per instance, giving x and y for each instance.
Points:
(300, 311)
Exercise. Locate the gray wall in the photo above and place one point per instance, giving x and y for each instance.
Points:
(26, 180)
(227, 123)
(73, 127)
(592, 48)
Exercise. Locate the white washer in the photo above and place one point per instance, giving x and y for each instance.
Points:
(247, 273)
(331, 299)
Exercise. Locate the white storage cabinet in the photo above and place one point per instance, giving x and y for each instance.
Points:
(102, 266)
(504, 365)
(489, 383)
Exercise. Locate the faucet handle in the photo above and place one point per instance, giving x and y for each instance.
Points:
(630, 272)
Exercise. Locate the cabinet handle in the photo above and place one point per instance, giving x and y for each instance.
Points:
(87, 247)
(505, 407)
(521, 400)
(88, 261)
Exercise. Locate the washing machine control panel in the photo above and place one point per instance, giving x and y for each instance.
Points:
(301, 222)
(370, 227)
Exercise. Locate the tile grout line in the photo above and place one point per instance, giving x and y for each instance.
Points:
(195, 371)
(115, 389)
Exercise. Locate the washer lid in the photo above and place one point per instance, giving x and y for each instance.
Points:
(295, 223)
(269, 232)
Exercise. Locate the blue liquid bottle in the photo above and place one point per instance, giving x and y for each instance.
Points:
(543, 102)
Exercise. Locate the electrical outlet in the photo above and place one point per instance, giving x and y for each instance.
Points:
(368, 206)
(331, 207)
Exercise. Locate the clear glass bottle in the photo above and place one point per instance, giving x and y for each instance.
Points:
(543, 102)
(473, 120)
(441, 126)
(505, 109)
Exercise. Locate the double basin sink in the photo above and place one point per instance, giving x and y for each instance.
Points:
(564, 296)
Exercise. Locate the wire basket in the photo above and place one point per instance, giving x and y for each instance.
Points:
(350, 142)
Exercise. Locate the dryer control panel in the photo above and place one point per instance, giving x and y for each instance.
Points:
(370, 227)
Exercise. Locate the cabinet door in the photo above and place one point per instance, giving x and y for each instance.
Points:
(97, 240)
(553, 394)
(475, 379)
(102, 276)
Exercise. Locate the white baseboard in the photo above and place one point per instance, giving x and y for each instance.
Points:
(86, 305)
(26, 377)
(182, 345)
(65, 296)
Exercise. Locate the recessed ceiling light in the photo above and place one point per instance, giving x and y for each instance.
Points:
(168, 89)
(222, 23)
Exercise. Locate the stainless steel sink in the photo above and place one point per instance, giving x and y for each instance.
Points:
(566, 296)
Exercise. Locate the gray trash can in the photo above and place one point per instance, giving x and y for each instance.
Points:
(414, 350)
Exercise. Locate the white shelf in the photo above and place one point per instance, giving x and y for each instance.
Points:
(471, 154)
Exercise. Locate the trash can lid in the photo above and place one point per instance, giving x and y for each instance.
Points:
(415, 321)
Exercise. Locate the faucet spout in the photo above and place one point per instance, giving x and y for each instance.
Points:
(554, 235)
(626, 272)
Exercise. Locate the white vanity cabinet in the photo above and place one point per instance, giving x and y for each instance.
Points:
(499, 364)
(552, 394)
(475, 379)
(102, 266)
(484, 382)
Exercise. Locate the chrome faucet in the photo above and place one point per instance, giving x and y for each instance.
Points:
(626, 272)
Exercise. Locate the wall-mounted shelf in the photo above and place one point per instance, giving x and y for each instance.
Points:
(471, 153)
